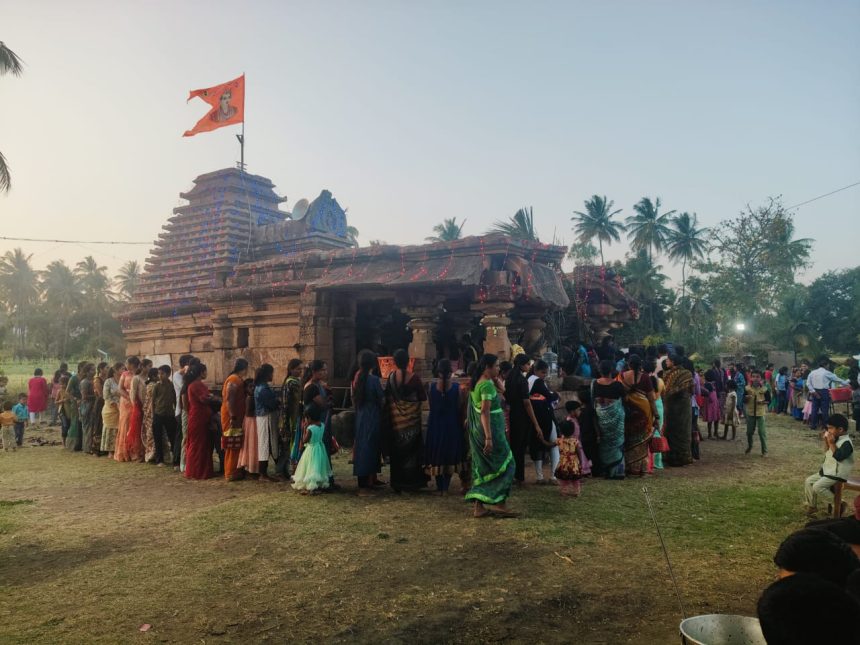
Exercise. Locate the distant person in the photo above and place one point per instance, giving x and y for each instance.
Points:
(163, 417)
(607, 399)
(819, 383)
(178, 449)
(641, 419)
(569, 471)
(804, 609)
(233, 418)
(22, 415)
(37, 397)
(781, 381)
(266, 407)
(730, 417)
(837, 466)
(679, 411)
(198, 454)
(523, 423)
(492, 462)
(7, 426)
(740, 387)
(110, 411)
(369, 400)
(444, 449)
(132, 365)
(756, 400)
(405, 397)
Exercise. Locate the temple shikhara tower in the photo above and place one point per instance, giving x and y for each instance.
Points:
(233, 274)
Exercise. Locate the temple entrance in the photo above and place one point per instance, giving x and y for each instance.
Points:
(381, 326)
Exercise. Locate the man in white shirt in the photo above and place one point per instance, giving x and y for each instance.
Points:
(177, 443)
(819, 382)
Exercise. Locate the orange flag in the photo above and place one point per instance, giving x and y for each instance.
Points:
(228, 106)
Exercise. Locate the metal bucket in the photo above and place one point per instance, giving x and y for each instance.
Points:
(721, 629)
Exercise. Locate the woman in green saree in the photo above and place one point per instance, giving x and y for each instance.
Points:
(492, 460)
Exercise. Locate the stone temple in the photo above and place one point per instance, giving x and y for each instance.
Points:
(233, 275)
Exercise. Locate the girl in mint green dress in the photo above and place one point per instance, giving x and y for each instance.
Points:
(314, 469)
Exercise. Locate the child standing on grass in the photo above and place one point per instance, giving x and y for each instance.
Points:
(574, 409)
(7, 423)
(730, 412)
(60, 403)
(756, 400)
(569, 469)
(837, 466)
(21, 415)
(314, 468)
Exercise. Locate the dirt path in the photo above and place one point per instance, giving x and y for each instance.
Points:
(101, 548)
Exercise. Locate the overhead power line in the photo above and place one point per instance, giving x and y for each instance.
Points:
(37, 239)
(832, 192)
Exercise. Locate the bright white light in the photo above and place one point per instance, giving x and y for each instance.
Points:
(740, 326)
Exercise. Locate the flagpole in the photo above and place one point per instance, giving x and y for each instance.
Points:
(241, 137)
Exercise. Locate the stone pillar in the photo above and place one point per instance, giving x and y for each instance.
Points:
(534, 342)
(496, 322)
(422, 324)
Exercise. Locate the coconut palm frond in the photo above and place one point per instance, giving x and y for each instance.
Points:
(10, 62)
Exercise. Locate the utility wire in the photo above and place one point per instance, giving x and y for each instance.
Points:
(832, 192)
(35, 239)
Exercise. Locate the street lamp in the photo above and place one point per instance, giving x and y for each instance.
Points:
(740, 328)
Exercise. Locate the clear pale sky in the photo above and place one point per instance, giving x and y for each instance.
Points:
(412, 112)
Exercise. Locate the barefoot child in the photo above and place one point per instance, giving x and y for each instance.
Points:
(7, 422)
(837, 466)
(730, 412)
(314, 469)
(569, 470)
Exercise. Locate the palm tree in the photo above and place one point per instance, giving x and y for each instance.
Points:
(597, 222)
(18, 289)
(61, 292)
(9, 64)
(128, 279)
(95, 288)
(352, 235)
(447, 231)
(685, 242)
(521, 226)
(648, 228)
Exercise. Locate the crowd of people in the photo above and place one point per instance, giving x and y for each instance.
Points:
(634, 414)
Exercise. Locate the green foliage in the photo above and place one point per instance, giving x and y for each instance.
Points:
(58, 311)
(649, 229)
(596, 222)
(10, 63)
(647, 285)
(583, 253)
(757, 258)
(521, 226)
(833, 309)
(447, 231)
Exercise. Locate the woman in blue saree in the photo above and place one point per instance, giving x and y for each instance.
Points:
(607, 397)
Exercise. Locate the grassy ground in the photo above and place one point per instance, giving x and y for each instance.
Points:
(90, 550)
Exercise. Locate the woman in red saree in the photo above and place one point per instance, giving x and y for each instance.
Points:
(125, 407)
(134, 438)
(198, 454)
